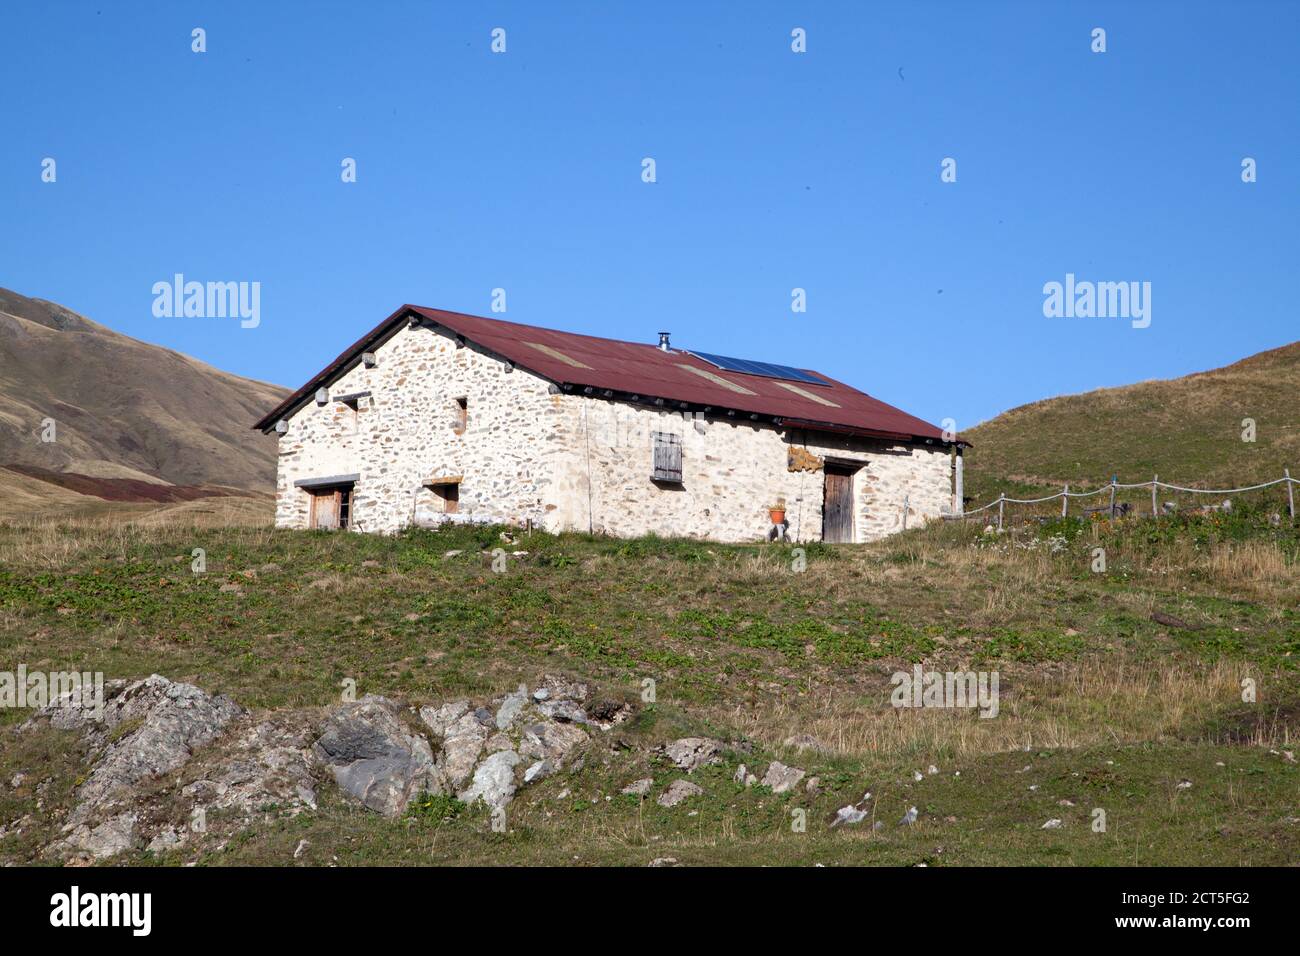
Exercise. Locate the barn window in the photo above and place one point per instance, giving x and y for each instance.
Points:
(331, 508)
(667, 457)
(461, 417)
(446, 491)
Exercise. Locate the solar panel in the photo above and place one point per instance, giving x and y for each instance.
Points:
(766, 369)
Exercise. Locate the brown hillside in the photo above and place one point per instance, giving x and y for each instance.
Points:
(124, 409)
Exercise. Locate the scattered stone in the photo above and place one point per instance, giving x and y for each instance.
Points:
(850, 815)
(640, 788)
(678, 791)
(376, 757)
(370, 563)
(539, 771)
(1065, 803)
(1052, 824)
(909, 817)
(691, 753)
(452, 554)
(932, 770)
(1184, 785)
(302, 845)
(813, 786)
(782, 778)
(17, 780)
(541, 694)
(918, 776)
(744, 777)
(663, 861)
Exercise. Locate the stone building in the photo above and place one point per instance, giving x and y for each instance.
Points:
(437, 416)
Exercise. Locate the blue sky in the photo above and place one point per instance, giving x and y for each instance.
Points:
(775, 170)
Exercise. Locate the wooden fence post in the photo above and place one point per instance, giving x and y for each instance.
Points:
(1114, 478)
(1155, 512)
(1290, 493)
(1001, 504)
(1065, 501)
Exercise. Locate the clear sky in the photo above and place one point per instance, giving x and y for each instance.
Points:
(522, 170)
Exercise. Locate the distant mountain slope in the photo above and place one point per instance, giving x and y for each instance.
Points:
(1188, 430)
(124, 409)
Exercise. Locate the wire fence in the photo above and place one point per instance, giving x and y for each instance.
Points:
(1114, 509)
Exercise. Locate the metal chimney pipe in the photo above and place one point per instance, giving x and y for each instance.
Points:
(663, 341)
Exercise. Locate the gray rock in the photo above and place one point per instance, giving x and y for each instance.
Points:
(539, 771)
(376, 757)
(441, 719)
(494, 781)
(565, 710)
(782, 778)
(744, 777)
(462, 736)
(150, 727)
(678, 791)
(109, 838)
(511, 708)
(690, 753)
(641, 788)
(267, 761)
(551, 740)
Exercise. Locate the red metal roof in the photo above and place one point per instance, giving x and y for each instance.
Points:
(627, 368)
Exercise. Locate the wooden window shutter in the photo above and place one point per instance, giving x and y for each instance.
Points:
(667, 457)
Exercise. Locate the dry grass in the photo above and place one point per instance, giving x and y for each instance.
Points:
(1092, 704)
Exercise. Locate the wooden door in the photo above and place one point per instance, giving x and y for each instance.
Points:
(837, 505)
(325, 509)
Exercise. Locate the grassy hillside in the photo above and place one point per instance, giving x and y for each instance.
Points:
(123, 409)
(1187, 430)
(1102, 706)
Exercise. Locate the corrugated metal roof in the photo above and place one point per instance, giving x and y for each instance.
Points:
(642, 369)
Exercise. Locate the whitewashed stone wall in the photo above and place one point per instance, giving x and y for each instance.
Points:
(733, 471)
(569, 462)
(404, 435)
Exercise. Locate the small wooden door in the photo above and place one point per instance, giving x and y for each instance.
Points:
(325, 509)
(837, 505)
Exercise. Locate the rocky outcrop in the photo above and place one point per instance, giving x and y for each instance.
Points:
(148, 728)
(156, 737)
(376, 757)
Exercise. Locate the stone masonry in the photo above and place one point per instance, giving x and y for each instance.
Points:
(531, 453)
